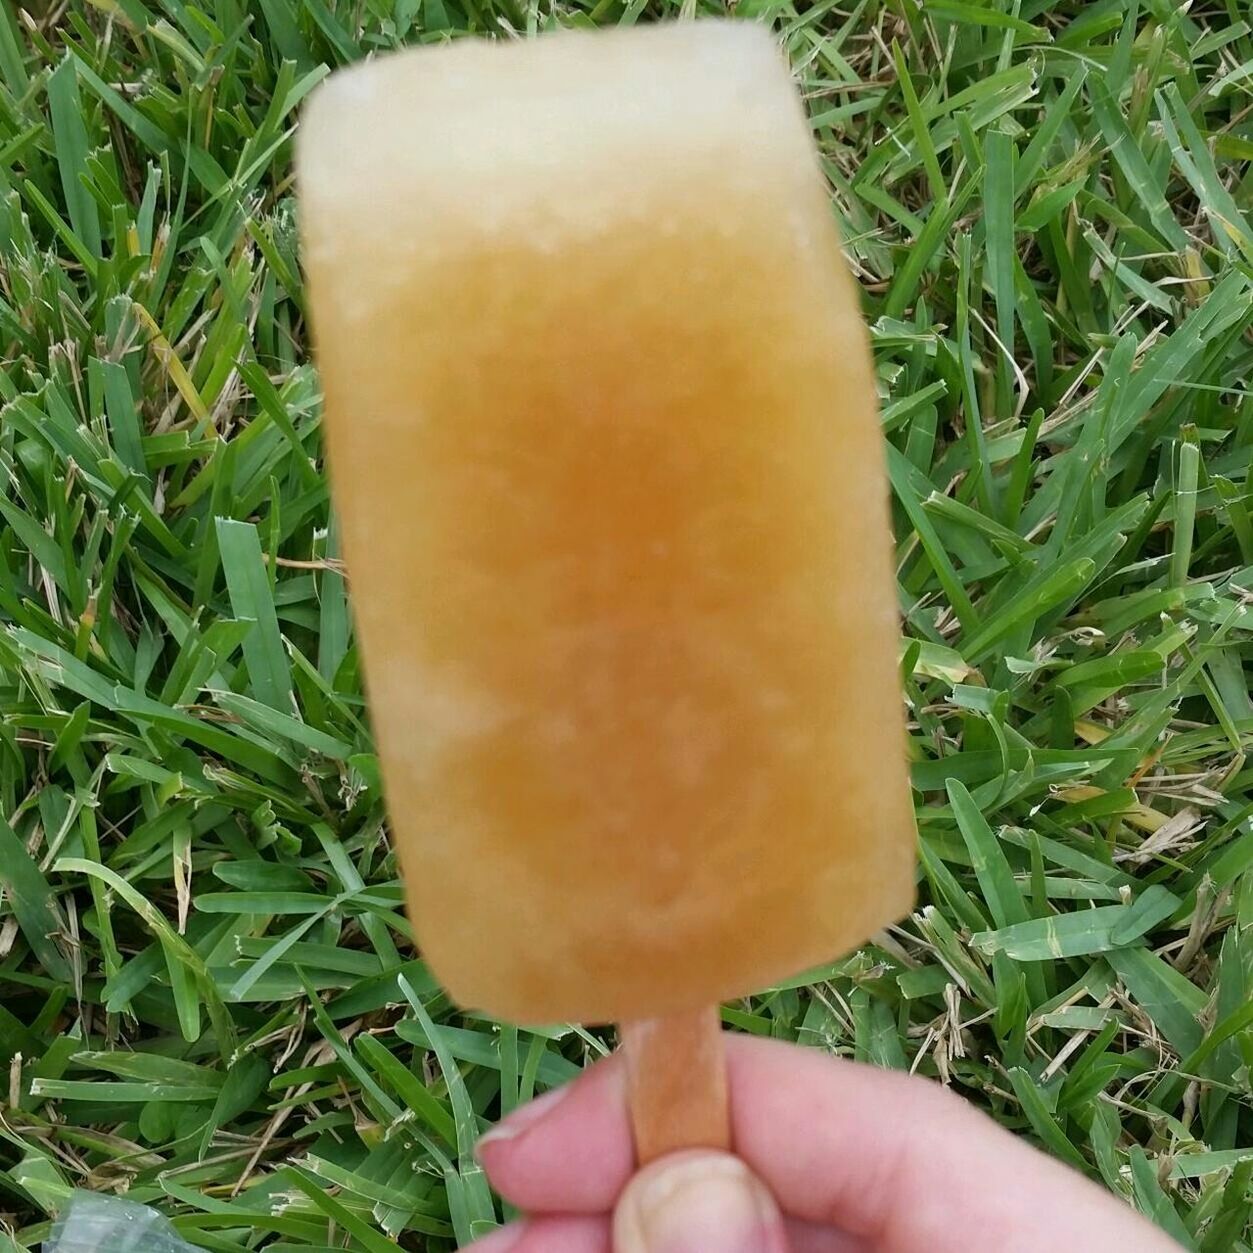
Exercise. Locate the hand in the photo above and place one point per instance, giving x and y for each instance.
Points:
(832, 1157)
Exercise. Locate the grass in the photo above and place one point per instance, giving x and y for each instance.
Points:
(208, 998)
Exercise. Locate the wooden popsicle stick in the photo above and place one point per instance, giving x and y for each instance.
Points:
(677, 1082)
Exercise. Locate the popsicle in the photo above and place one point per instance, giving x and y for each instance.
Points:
(604, 445)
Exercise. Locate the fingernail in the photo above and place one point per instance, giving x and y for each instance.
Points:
(696, 1203)
(500, 1241)
(522, 1119)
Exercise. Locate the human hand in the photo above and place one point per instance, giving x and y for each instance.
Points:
(831, 1157)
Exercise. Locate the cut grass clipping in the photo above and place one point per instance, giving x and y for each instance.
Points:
(208, 995)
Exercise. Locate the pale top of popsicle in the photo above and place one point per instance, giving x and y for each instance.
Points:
(539, 140)
(605, 450)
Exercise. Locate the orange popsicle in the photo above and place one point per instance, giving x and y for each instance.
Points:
(604, 445)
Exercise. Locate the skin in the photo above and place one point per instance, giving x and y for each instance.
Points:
(859, 1160)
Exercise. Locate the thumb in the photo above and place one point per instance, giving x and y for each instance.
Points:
(697, 1202)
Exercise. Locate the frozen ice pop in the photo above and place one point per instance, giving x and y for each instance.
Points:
(604, 445)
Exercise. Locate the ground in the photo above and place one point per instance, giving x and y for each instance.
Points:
(200, 930)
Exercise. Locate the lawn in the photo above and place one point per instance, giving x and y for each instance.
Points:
(208, 995)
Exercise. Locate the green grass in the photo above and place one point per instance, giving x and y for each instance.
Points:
(1047, 205)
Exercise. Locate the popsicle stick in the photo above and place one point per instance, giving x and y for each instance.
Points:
(677, 1082)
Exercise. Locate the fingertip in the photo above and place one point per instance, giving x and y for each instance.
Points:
(697, 1199)
(548, 1234)
(570, 1151)
(492, 1143)
(502, 1240)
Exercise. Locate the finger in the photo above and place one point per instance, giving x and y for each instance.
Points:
(568, 1152)
(803, 1237)
(592, 1235)
(878, 1154)
(695, 1201)
(557, 1234)
(895, 1160)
